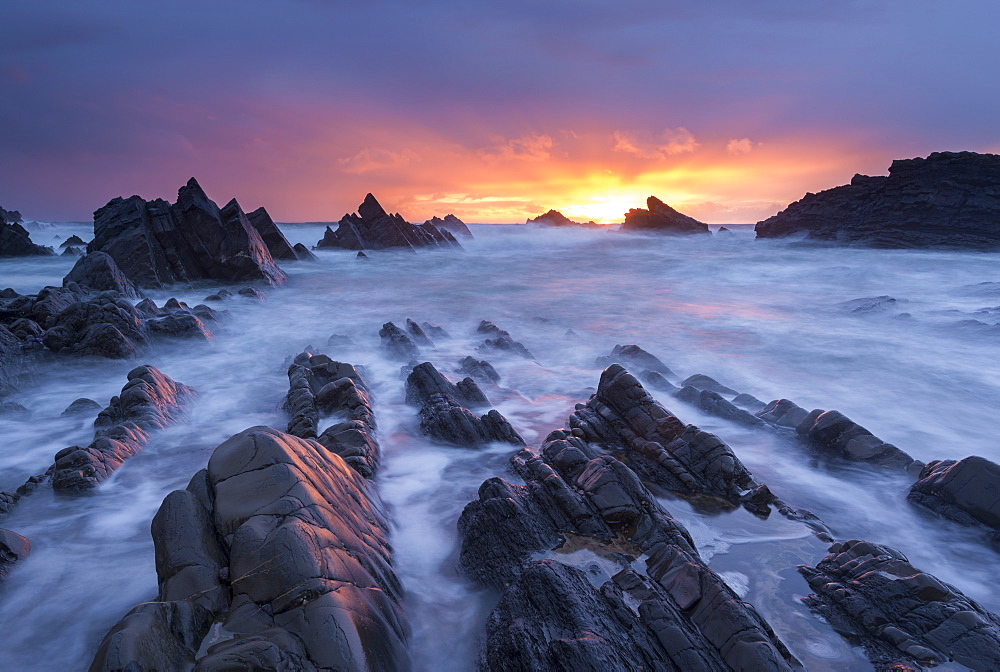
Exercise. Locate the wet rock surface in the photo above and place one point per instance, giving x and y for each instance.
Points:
(274, 557)
(966, 491)
(450, 223)
(13, 549)
(658, 217)
(397, 343)
(372, 228)
(835, 435)
(155, 243)
(948, 200)
(500, 341)
(15, 241)
(900, 615)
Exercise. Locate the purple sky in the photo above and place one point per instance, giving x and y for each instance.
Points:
(496, 111)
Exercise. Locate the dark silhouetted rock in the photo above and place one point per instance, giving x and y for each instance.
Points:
(397, 344)
(155, 243)
(14, 410)
(82, 406)
(72, 252)
(749, 402)
(284, 546)
(443, 412)
(479, 369)
(148, 401)
(703, 382)
(948, 200)
(97, 271)
(964, 490)
(715, 404)
(10, 217)
(661, 218)
(450, 223)
(273, 238)
(16, 242)
(339, 340)
(434, 331)
(899, 614)
(13, 549)
(11, 361)
(419, 335)
(500, 341)
(556, 218)
(372, 228)
(783, 413)
(252, 293)
(634, 357)
(74, 240)
(303, 253)
(833, 434)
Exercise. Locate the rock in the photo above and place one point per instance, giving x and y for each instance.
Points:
(556, 218)
(303, 253)
(221, 295)
(73, 240)
(13, 549)
(339, 340)
(375, 229)
(82, 406)
(661, 218)
(963, 490)
(397, 344)
(443, 412)
(723, 231)
(715, 404)
(16, 242)
(703, 382)
(10, 217)
(450, 223)
(681, 616)
(97, 271)
(835, 435)
(72, 252)
(634, 357)
(361, 255)
(479, 369)
(104, 326)
(252, 293)
(282, 545)
(658, 382)
(749, 402)
(419, 335)
(14, 410)
(148, 401)
(500, 341)
(155, 243)
(869, 305)
(25, 329)
(782, 413)
(273, 238)
(948, 200)
(308, 376)
(900, 615)
(11, 361)
(434, 331)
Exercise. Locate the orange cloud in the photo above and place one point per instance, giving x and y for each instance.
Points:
(668, 143)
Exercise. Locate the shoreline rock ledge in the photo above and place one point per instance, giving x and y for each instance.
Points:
(948, 200)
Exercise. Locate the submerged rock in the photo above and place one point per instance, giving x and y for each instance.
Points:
(282, 546)
(450, 223)
(372, 228)
(556, 218)
(82, 406)
(949, 200)
(634, 357)
(479, 369)
(835, 435)
(900, 615)
(13, 549)
(15, 241)
(661, 218)
(499, 340)
(155, 243)
(963, 490)
(703, 382)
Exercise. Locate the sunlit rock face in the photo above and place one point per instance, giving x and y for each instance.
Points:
(156, 243)
(948, 200)
(372, 228)
(658, 217)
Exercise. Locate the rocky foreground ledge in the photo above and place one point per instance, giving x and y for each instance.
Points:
(948, 200)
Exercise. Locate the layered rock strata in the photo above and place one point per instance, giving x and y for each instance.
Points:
(450, 223)
(275, 557)
(965, 491)
(271, 235)
(15, 241)
(372, 228)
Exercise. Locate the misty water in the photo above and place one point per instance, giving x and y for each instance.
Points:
(766, 318)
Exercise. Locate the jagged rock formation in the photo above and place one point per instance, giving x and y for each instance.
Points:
(10, 217)
(679, 616)
(500, 341)
(319, 387)
(148, 401)
(949, 200)
(715, 404)
(556, 218)
(835, 435)
(372, 228)
(155, 243)
(303, 253)
(633, 357)
(275, 557)
(450, 223)
(480, 370)
(73, 241)
(963, 490)
(443, 412)
(15, 241)
(658, 217)
(13, 549)
(901, 616)
(273, 238)
(418, 334)
(397, 343)
(97, 271)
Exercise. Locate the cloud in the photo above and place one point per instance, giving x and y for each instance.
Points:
(370, 160)
(740, 147)
(670, 142)
(525, 148)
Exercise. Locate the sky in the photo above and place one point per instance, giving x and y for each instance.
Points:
(727, 110)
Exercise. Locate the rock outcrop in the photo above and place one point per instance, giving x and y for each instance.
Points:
(948, 200)
(275, 557)
(13, 549)
(963, 490)
(372, 228)
(10, 217)
(273, 238)
(635, 358)
(556, 218)
(73, 241)
(658, 217)
(97, 271)
(15, 241)
(499, 341)
(450, 223)
(900, 615)
(156, 244)
(397, 343)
